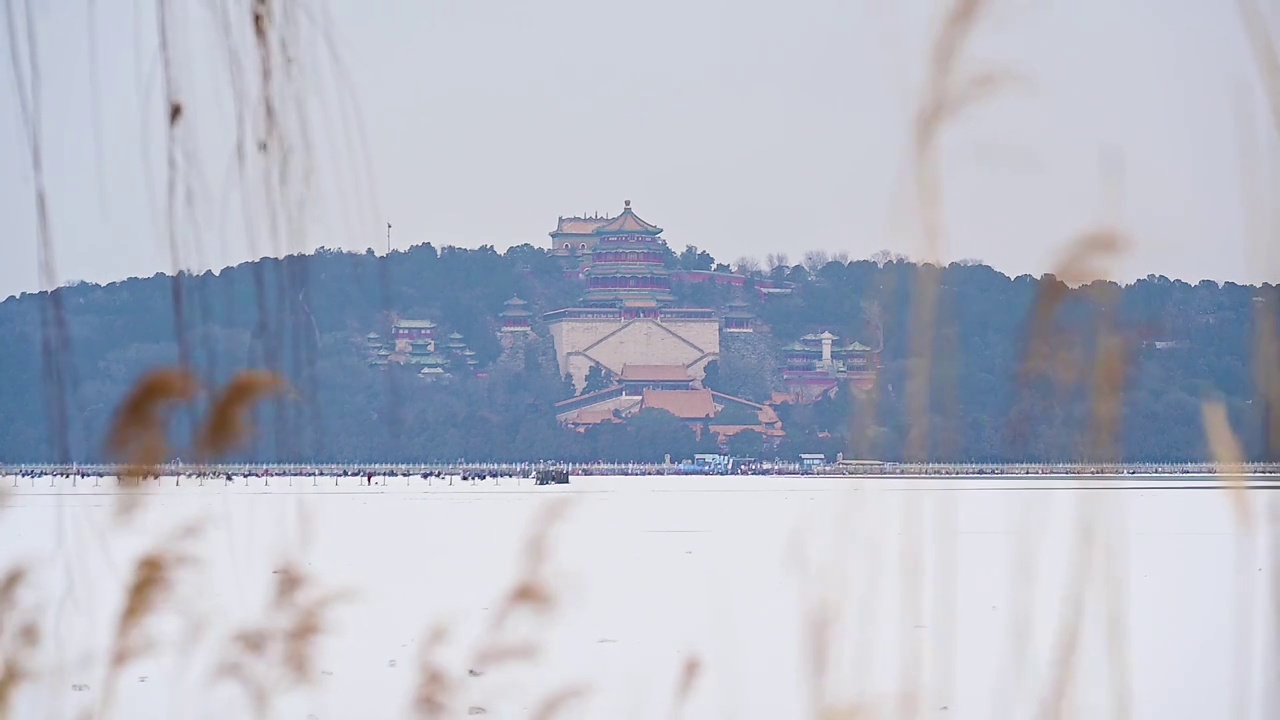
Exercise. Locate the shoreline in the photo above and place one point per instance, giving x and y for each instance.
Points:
(468, 471)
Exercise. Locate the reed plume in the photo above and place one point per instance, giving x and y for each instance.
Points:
(1228, 453)
(228, 424)
(279, 653)
(137, 435)
(152, 583)
(532, 599)
(435, 691)
(532, 589)
(690, 671)
(20, 635)
(1266, 55)
(1047, 352)
(556, 703)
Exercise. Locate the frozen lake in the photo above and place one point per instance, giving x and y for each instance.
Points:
(660, 597)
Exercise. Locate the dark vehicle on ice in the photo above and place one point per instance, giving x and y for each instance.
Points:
(551, 477)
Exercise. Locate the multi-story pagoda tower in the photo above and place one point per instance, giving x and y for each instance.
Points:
(516, 317)
(627, 267)
(738, 318)
(516, 333)
(627, 314)
(628, 326)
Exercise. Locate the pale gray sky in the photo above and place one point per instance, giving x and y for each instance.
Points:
(743, 127)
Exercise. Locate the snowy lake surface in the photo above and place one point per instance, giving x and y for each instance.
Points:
(693, 597)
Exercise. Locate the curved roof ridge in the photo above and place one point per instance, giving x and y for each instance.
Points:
(628, 222)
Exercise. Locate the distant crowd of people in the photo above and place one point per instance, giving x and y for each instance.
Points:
(381, 474)
(231, 477)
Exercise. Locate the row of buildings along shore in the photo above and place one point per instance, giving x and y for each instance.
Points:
(627, 328)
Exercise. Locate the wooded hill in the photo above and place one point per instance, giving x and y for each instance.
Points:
(990, 398)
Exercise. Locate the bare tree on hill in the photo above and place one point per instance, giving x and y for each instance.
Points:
(746, 265)
(814, 260)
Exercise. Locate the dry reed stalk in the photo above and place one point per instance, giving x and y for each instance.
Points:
(945, 593)
(818, 632)
(502, 652)
(911, 667)
(1262, 213)
(228, 423)
(1228, 453)
(301, 634)
(1108, 385)
(1273, 698)
(1246, 635)
(151, 585)
(55, 338)
(867, 619)
(151, 582)
(1105, 429)
(174, 112)
(1025, 561)
(826, 583)
(820, 627)
(1084, 263)
(1267, 354)
(1260, 208)
(690, 671)
(1063, 673)
(531, 598)
(532, 590)
(1255, 196)
(1081, 263)
(861, 441)
(434, 694)
(20, 636)
(1265, 53)
(555, 704)
(279, 653)
(828, 576)
(1115, 563)
(1109, 360)
(9, 587)
(1267, 368)
(947, 95)
(436, 691)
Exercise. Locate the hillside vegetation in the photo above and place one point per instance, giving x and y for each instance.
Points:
(306, 316)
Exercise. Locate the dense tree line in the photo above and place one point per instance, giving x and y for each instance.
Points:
(1010, 374)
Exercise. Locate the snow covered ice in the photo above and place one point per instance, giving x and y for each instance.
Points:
(954, 596)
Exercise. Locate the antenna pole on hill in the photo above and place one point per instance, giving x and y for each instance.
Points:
(388, 238)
